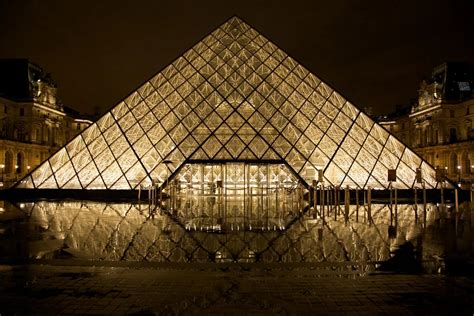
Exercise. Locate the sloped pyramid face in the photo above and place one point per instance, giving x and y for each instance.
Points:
(234, 96)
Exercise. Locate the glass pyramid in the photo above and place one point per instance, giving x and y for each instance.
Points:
(234, 96)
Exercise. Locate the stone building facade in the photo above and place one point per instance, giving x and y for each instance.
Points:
(439, 124)
(33, 123)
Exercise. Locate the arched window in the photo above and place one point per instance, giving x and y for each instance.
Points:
(19, 162)
(466, 163)
(453, 137)
(453, 163)
(8, 162)
(429, 135)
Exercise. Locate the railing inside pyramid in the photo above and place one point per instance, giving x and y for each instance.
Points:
(231, 196)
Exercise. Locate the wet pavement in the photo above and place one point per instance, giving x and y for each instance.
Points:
(77, 257)
(226, 289)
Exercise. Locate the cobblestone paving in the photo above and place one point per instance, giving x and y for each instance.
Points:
(226, 289)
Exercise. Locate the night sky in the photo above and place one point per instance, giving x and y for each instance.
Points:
(375, 53)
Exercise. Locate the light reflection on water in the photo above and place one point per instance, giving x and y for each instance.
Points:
(125, 232)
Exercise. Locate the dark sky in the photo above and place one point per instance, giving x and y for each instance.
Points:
(374, 53)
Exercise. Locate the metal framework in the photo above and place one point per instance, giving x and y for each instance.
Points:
(236, 195)
(233, 96)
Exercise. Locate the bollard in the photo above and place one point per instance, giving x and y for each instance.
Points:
(424, 206)
(321, 209)
(456, 214)
(357, 205)
(364, 199)
(161, 197)
(396, 208)
(369, 205)
(328, 199)
(313, 189)
(415, 205)
(321, 194)
(149, 198)
(346, 204)
(390, 205)
(338, 201)
(442, 198)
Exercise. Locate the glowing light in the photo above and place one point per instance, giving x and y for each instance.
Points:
(218, 120)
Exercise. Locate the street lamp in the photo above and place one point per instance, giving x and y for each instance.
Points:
(459, 175)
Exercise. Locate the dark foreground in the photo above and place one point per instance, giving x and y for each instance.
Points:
(227, 289)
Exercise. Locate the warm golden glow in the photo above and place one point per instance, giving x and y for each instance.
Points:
(234, 96)
(235, 196)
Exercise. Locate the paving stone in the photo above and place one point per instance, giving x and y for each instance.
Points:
(112, 290)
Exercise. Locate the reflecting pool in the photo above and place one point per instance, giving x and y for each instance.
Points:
(134, 232)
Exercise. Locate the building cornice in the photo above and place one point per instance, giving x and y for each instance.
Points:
(82, 121)
(43, 107)
(438, 106)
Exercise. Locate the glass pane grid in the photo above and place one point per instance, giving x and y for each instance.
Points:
(234, 95)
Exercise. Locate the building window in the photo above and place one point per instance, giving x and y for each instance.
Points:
(466, 163)
(451, 113)
(22, 112)
(453, 137)
(78, 126)
(453, 166)
(464, 86)
(8, 162)
(470, 132)
(19, 163)
(5, 109)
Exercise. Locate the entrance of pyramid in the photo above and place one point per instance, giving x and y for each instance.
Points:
(234, 196)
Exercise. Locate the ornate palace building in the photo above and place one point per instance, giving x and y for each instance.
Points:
(33, 123)
(439, 125)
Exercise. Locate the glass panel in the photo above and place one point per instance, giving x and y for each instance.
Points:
(81, 159)
(41, 174)
(129, 158)
(59, 159)
(64, 174)
(87, 174)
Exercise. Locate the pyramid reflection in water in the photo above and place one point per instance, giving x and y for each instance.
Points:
(234, 96)
(115, 232)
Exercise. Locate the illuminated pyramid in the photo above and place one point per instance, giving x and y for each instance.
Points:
(234, 96)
